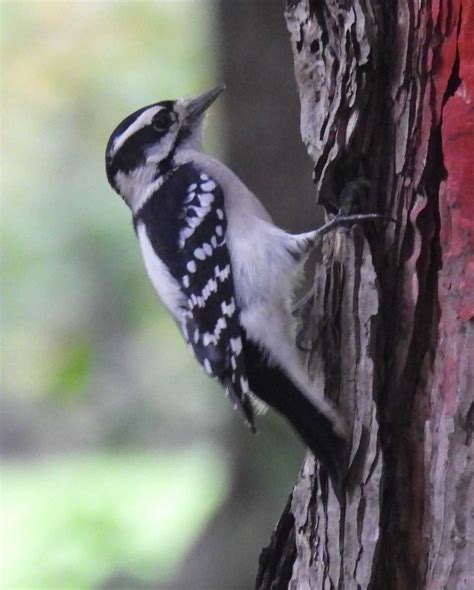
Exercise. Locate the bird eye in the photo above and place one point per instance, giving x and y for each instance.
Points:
(162, 120)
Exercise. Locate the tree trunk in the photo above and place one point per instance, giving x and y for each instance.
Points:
(386, 90)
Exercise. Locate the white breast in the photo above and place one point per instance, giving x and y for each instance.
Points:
(165, 285)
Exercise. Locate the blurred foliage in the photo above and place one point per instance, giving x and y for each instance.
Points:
(84, 521)
(86, 346)
(72, 272)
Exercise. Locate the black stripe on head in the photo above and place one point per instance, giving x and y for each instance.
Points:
(131, 154)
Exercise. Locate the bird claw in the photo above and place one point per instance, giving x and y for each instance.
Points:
(357, 217)
(341, 220)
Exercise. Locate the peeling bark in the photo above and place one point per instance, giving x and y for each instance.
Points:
(386, 92)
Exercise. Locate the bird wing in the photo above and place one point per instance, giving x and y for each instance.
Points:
(186, 225)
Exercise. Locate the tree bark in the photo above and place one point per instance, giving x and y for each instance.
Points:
(386, 92)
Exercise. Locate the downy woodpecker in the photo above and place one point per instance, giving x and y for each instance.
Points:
(225, 272)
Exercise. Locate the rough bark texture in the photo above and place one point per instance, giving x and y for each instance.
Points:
(386, 93)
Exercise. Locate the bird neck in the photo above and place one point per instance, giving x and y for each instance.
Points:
(139, 184)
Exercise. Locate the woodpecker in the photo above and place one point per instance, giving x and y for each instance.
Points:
(223, 269)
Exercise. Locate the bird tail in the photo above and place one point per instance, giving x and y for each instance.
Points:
(317, 431)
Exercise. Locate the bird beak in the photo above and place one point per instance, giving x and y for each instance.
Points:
(195, 107)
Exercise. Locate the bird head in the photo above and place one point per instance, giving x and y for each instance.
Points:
(142, 146)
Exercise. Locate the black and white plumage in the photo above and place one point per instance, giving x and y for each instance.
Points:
(222, 268)
(183, 224)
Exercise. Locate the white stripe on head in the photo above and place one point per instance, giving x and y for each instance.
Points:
(141, 121)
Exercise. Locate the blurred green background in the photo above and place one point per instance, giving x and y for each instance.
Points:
(123, 466)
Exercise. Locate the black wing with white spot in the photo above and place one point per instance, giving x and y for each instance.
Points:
(186, 225)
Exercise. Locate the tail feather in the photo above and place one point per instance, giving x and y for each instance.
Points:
(277, 390)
